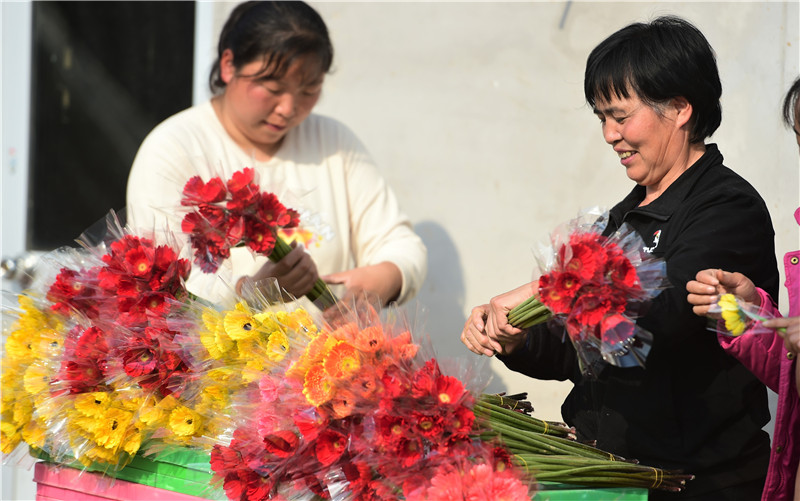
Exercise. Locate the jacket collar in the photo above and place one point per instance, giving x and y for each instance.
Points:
(666, 204)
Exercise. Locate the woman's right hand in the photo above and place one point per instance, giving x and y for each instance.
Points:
(487, 330)
(708, 285)
(296, 272)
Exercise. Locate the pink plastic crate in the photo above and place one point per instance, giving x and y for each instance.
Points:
(68, 484)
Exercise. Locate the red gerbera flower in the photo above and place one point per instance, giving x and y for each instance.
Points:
(195, 191)
(244, 191)
(586, 261)
(139, 261)
(590, 307)
(409, 451)
(558, 289)
(272, 211)
(622, 273)
(449, 390)
(260, 237)
(140, 358)
(425, 379)
(282, 443)
(329, 446)
(429, 426)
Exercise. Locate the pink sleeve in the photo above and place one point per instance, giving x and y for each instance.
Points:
(759, 349)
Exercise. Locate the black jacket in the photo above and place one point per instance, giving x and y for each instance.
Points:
(693, 407)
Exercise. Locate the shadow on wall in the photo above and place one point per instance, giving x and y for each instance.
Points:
(440, 304)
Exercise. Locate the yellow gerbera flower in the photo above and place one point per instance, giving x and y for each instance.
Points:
(735, 320)
(22, 411)
(299, 321)
(133, 441)
(239, 324)
(185, 422)
(33, 434)
(152, 414)
(36, 379)
(217, 343)
(19, 347)
(10, 437)
(213, 399)
(268, 321)
(92, 404)
(112, 428)
(49, 344)
(277, 346)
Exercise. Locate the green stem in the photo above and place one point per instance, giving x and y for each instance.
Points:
(529, 313)
(320, 294)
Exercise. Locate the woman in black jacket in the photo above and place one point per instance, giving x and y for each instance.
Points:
(656, 90)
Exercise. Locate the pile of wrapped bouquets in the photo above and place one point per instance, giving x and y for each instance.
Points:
(107, 357)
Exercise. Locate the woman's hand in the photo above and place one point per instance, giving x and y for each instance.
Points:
(383, 279)
(474, 334)
(709, 284)
(487, 331)
(791, 338)
(497, 327)
(296, 272)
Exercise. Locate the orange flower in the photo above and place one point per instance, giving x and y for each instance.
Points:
(370, 339)
(342, 361)
(343, 403)
(317, 388)
(313, 352)
(346, 332)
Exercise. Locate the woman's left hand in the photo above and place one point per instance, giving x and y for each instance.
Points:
(383, 279)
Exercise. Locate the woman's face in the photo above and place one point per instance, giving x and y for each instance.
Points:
(262, 110)
(649, 141)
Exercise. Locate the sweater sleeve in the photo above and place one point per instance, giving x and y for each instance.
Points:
(380, 231)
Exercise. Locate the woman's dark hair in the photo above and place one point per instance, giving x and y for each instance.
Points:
(791, 104)
(666, 58)
(277, 32)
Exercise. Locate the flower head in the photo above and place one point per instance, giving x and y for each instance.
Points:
(732, 314)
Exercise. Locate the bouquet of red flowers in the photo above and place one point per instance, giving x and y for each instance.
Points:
(595, 286)
(233, 213)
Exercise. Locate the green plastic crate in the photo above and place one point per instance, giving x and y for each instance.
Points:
(185, 471)
(561, 492)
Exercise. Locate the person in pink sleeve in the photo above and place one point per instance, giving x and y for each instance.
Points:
(770, 348)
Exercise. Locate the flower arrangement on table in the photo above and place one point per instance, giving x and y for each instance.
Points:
(112, 359)
(102, 370)
(360, 415)
(235, 213)
(594, 286)
(115, 359)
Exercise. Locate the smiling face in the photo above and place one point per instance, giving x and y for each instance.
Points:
(652, 141)
(258, 110)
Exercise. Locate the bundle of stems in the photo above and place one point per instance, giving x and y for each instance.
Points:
(320, 293)
(567, 469)
(529, 313)
(549, 451)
